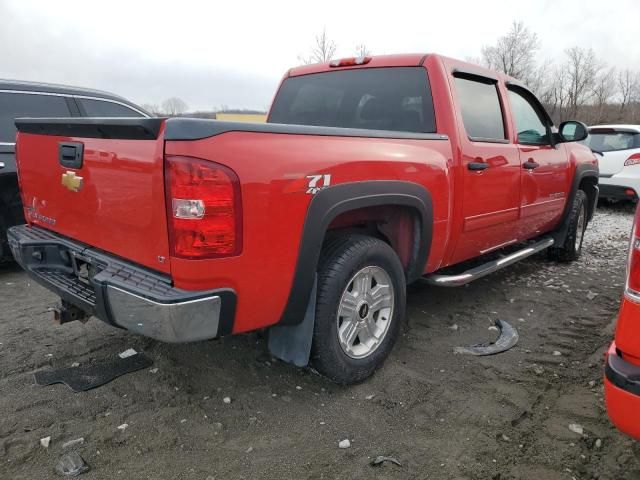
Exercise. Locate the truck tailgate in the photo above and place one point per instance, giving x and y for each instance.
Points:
(109, 196)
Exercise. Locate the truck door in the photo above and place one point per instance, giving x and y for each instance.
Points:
(490, 168)
(545, 166)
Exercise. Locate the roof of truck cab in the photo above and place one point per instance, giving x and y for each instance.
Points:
(400, 60)
(25, 86)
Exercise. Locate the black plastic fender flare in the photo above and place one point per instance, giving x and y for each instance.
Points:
(332, 201)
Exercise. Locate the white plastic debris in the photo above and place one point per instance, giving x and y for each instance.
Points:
(576, 428)
(344, 443)
(123, 427)
(154, 370)
(73, 443)
(45, 442)
(129, 352)
(227, 400)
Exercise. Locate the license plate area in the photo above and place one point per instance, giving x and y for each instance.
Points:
(83, 268)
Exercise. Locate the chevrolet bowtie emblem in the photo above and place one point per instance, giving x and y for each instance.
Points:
(70, 181)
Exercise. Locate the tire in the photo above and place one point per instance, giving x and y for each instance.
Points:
(577, 219)
(354, 302)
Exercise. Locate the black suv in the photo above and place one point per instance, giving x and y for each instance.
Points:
(28, 99)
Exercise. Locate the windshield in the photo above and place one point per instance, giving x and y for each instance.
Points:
(611, 141)
(397, 98)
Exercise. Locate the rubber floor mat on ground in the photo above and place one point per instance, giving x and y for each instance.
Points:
(94, 374)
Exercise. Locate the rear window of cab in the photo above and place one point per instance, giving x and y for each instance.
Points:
(394, 98)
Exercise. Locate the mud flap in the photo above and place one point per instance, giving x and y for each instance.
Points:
(292, 343)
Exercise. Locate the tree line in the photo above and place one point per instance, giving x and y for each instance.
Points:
(578, 86)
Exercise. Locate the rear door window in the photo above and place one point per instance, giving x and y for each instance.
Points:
(396, 98)
(15, 105)
(100, 108)
(481, 109)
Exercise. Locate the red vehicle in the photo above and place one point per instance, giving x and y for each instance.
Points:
(370, 173)
(622, 365)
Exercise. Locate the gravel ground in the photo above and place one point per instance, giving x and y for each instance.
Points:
(440, 415)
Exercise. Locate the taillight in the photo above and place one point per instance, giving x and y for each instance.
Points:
(350, 62)
(632, 160)
(204, 208)
(633, 266)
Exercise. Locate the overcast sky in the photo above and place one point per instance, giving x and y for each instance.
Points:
(211, 53)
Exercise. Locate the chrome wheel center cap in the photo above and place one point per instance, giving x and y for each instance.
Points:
(363, 311)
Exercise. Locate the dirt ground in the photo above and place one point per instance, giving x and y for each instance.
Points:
(441, 415)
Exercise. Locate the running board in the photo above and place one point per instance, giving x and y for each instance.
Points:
(487, 268)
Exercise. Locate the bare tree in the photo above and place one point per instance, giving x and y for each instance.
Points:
(628, 88)
(152, 108)
(582, 71)
(514, 53)
(603, 90)
(322, 50)
(174, 106)
(362, 50)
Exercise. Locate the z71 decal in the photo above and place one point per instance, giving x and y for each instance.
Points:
(318, 182)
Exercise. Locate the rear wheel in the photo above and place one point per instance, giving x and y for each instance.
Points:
(359, 310)
(577, 219)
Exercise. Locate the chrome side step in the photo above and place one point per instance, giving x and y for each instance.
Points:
(487, 268)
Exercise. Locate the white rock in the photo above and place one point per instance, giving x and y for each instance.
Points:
(591, 295)
(454, 327)
(370, 397)
(344, 443)
(556, 353)
(298, 387)
(227, 400)
(45, 442)
(576, 428)
(598, 443)
(123, 427)
(75, 364)
(154, 370)
(129, 352)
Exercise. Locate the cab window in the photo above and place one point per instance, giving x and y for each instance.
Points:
(531, 128)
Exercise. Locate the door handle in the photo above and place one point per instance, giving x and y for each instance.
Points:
(530, 164)
(477, 166)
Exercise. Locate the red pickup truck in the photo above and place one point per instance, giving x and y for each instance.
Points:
(371, 173)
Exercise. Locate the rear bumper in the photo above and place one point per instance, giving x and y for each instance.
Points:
(622, 393)
(119, 292)
(616, 187)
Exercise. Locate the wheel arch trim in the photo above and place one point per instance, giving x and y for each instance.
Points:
(332, 201)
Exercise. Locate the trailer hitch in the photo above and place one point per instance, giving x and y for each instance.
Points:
(66, 312)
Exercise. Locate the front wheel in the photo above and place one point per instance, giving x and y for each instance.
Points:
(359, 310)
(577, 219)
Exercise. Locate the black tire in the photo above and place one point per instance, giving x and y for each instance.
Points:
(572, 247)
(341, 260)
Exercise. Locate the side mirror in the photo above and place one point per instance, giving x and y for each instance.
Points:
(573, 131)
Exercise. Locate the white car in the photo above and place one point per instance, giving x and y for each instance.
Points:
(618, 150)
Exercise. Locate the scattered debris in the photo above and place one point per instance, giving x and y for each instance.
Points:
(45, 442)
(370, 397)
(598, 443)
(453, 327)
(249, 450)
(344, 443)
(591, 295)
(154, 370)
(73, 443)
(556, 353)
(493, 328)
(508, 338)
(592, 383)
(380, 459)
(129, 352)
(576, 428)
(71, 465)
(184, 420)
(123, 427)
(75, 365)
(298, 387)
